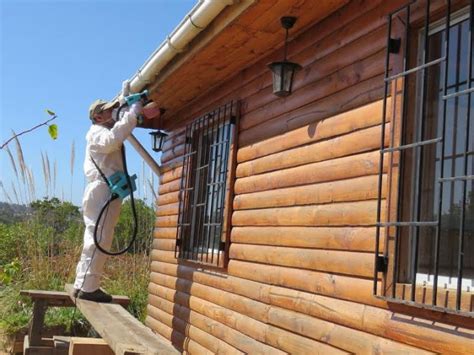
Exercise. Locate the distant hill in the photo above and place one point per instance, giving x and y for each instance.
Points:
(11, 213)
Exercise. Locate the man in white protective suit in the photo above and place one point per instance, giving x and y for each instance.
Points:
(104, 141)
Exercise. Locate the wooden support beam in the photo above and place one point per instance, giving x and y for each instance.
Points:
(89, 346)
(36, 327)
(62, 299)
(45, 349)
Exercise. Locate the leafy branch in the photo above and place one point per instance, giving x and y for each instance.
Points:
(52, 129)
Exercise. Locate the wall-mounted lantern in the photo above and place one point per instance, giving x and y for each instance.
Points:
(284, 71)
(158, 139)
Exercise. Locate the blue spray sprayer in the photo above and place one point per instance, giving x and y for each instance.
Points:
(121, 184)
(140, 96)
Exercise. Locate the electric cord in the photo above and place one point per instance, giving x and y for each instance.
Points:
(134, 213)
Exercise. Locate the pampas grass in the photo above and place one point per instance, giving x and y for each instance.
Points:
(20, 157)
(15, 194)
(23, 188)
(45, 174)
(12, 161)
(5, 192)
(22, 166)
(48, 171)
(31, 180)
(55, 173)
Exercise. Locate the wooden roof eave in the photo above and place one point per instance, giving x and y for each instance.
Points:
(233, 41)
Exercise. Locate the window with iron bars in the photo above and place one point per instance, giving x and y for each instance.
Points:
(205, 204)
(426, 213)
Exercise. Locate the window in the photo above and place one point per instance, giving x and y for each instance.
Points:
(429, 225)
(205, 197)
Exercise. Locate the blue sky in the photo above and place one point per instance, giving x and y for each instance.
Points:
(62, 55)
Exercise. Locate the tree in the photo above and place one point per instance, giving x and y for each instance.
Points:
(57, 214)
(124, 228)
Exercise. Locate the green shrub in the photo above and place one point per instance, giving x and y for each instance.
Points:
(42, 252)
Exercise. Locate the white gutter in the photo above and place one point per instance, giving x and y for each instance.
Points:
(200, 16)
(195, 21)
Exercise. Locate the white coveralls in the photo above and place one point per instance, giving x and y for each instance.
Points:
(104, 145)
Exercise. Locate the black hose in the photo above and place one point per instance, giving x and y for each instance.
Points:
(107, 203)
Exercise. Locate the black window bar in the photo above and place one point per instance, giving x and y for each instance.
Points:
(202, 199)
(414, 225)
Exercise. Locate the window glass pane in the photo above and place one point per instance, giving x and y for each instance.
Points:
(428, 190)
(202, 200)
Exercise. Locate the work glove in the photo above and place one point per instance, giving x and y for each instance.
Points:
(137, 108)
(126, 88)
(125, 91)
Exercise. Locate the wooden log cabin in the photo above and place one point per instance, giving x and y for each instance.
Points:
(336, 219)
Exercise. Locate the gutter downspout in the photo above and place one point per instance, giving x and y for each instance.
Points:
(200, 16)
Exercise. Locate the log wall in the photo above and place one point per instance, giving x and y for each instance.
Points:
(299, 279)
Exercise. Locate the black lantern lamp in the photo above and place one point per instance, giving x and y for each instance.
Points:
(158, 137)
(157, 140)
(284, 71)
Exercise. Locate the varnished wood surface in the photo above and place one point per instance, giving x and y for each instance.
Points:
(301, 257)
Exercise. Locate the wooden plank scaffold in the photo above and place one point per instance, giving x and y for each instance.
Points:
(124, 333)
(119, 329)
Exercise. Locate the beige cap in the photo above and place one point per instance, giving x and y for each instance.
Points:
(100, 105)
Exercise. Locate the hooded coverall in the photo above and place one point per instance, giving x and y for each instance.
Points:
(104, 146)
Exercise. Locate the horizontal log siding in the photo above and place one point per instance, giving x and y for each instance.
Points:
(301, 257)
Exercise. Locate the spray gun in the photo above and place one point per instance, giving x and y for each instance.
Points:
(131, 99)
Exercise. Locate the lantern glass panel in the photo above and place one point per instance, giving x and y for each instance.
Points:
(157, 140)
(283, 73)
(277, 70)
(153, 142)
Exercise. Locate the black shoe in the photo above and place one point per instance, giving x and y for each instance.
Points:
(96, 296)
